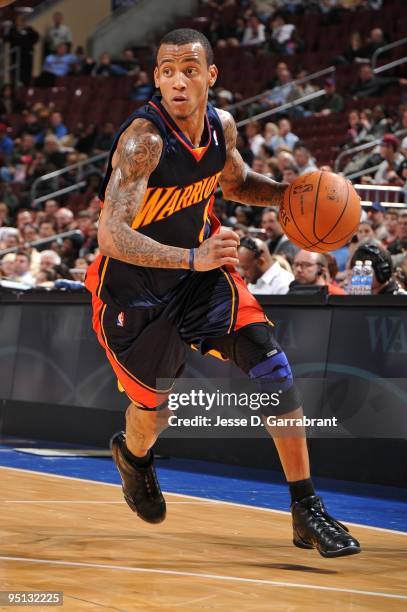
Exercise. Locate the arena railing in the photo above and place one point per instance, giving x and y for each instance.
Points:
(390, 65)
(362, 147)
(282, 107)
(57, 193)
(57, 173)
(41, 241)
(310, 77)
(380, 191)
(380, 50)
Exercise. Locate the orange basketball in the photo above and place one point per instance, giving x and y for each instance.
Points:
(4, 3)
(321, 211)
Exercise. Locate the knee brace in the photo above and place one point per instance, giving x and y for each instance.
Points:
(258, 353)
(274, 376)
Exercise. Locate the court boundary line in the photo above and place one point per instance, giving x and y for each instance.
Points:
(215, 501)
(219, 577)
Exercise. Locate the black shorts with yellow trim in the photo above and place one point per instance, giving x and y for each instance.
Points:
(146, 344)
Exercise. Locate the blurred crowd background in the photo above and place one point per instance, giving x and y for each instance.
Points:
(65, 118)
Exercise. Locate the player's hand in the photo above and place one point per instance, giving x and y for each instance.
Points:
(217, 251)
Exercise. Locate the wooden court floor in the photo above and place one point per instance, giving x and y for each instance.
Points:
(79, 537)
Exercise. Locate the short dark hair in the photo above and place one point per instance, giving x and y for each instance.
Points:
(20, 252)
(184, 36)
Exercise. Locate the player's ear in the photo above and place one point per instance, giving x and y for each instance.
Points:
(213, 75)
(156, 77)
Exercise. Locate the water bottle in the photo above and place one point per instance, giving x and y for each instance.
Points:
(367, 277)
(355, 284)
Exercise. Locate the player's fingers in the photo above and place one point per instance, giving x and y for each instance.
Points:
(228, 252)
(229, 235)
(229, 261)
(227, 243)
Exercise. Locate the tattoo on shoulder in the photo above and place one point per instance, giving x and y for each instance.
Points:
(229, 128)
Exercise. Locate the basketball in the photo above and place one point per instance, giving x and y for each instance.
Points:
(321, 211)
(4, 3)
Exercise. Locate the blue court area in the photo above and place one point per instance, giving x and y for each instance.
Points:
(372, 505)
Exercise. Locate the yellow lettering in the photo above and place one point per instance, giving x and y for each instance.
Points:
(184, 198)
(196, 195)
(153, 206)
(170, 206)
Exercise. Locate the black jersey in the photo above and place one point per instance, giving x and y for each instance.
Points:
(176, 210)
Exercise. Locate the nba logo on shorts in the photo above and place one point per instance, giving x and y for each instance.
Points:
(120, 319)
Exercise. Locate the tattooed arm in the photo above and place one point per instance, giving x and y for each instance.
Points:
(137, 155)
(241, 184)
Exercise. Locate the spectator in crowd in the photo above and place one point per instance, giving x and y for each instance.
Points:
(104, 140)
(332, 102)
(290, 174)
(50, 209)
(4, 215)
(270, 130)
(59, 63)
(105, 67)
(64, 220)
(375, 40)
(263, 274)
(57, 125)
(283, 38)
(283, 92)
(313, 269)
(277, 241)
(243, 146)
(391, 220)
(7, 266)
(386, 173)
(365, 230)
(254, 136)
(58, 33)
(49, 259)
(6, 143)
(399, 245)
(142, 87)
(24, 37)
(383, 278)
(381, 123)
(24, 217)
(285, 136)
(376, 215)
(369, 85)
(87, 138)
(352, 51)
(9, 102)
(54, 156)
(255, 32)
(303, 159)
(46, 230)
(22, 272)
(128, 62)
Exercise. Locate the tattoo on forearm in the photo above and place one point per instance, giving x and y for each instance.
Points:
(240, 184)
(137, 155)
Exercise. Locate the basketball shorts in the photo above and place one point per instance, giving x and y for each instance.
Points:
(143, 345)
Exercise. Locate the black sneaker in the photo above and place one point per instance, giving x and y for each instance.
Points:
(140, 486)
(314, 528)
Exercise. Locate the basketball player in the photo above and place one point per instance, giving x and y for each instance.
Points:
(165, 278)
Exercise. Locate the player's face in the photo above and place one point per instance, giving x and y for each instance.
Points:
(183, 77)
